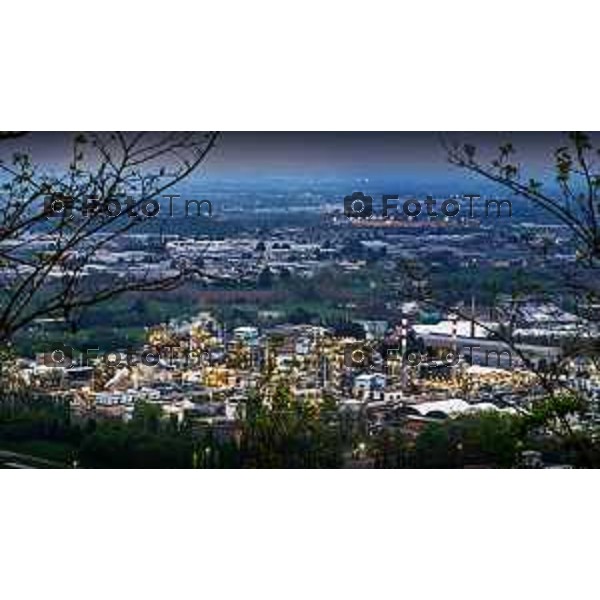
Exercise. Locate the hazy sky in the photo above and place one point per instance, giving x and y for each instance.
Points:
(353, 151)
(363, 154)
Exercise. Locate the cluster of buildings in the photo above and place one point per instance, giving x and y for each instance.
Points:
(403, 369)
(403, 373)
(240, 251)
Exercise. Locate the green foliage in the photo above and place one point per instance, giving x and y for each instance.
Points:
(265, 279)
(389, 449)
(286, 434)
(146, 417)
(280, 432)
(116, 445)
(486, 439)
(556, 408)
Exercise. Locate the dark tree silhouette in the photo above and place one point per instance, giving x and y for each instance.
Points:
(74, 214)
(571, 198)
(574, 201)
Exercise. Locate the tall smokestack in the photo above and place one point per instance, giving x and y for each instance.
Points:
(404, 346)
(453, 318)
(472, 315)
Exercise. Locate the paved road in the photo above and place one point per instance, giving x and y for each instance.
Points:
(19, 460)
